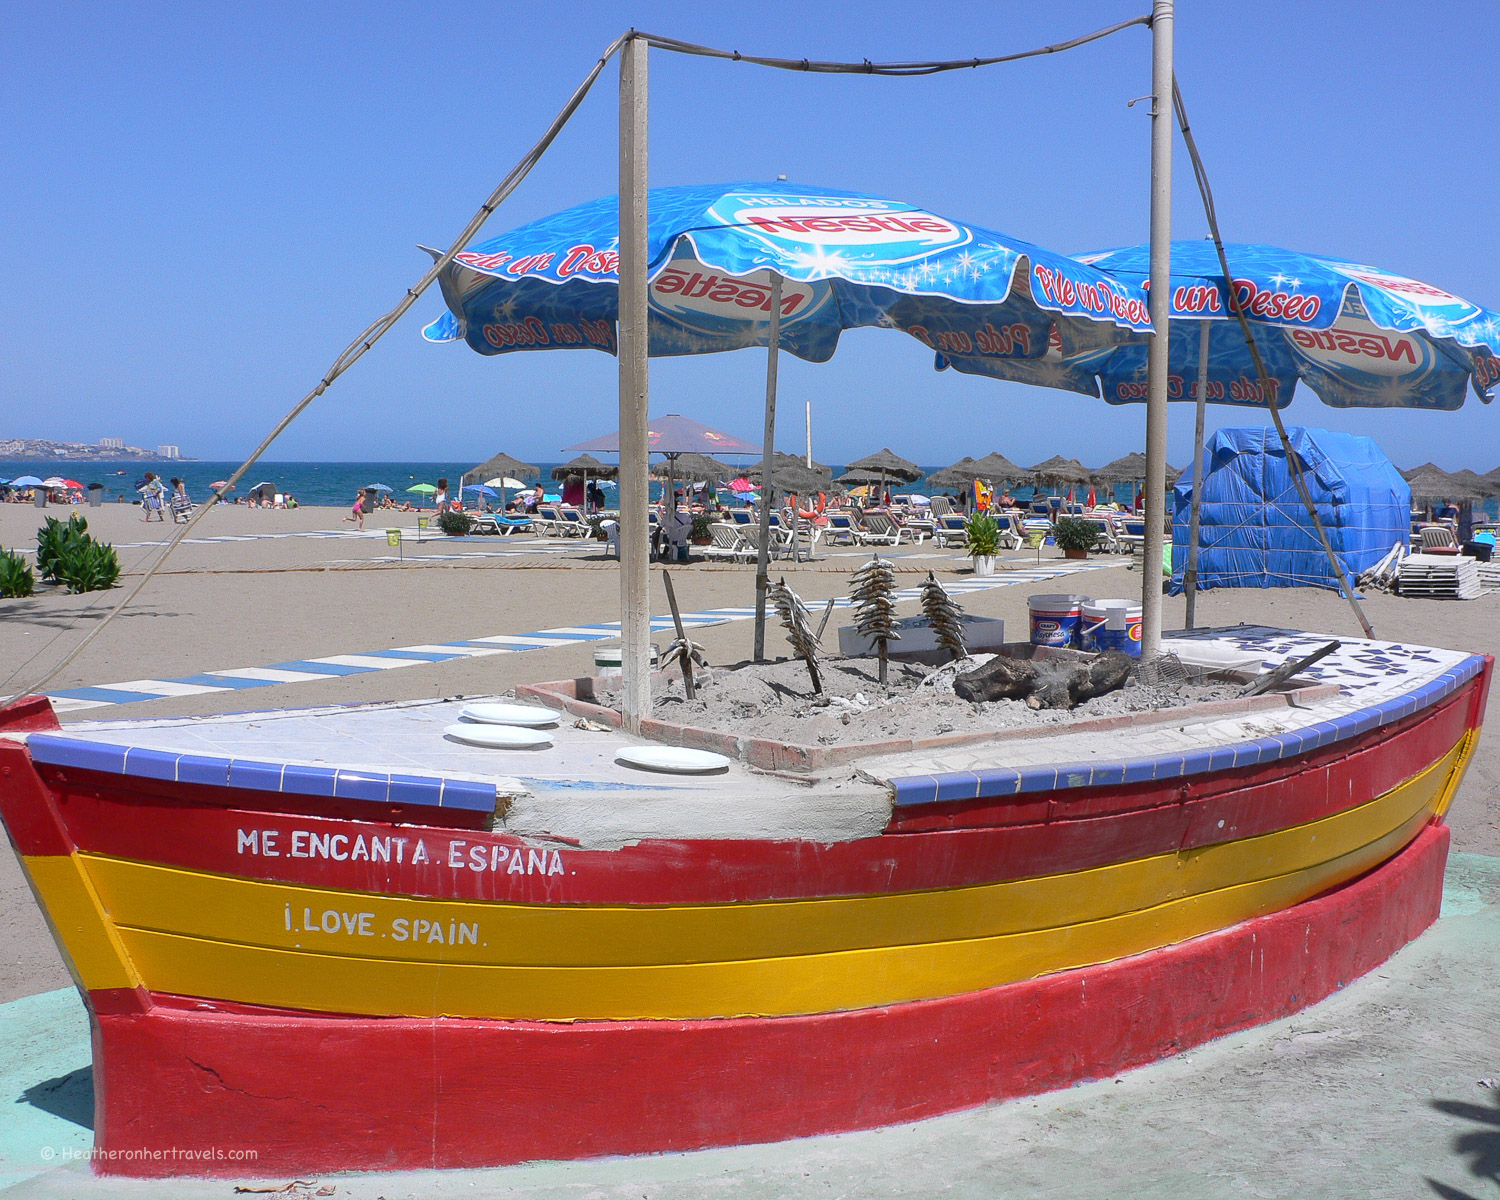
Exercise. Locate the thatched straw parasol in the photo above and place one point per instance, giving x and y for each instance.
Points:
(790, 474)
(1129, 468)
(695, 468)
(1060, 470)
(502, 464)
(959, 475)
(1430, 482)
(879, 467)
(1477, 483)
(586, 465)
(780, 461)
(994, 467)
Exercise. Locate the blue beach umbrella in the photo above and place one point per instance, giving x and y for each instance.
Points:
(1359, 336)
(847, 260)
(22, 481)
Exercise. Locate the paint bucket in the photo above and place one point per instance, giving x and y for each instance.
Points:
(1055, 619)
(1112, 625)
(607, 658)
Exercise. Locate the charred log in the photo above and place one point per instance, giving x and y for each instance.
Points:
(1045, 683)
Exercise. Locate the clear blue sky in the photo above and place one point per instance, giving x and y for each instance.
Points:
(204, 202)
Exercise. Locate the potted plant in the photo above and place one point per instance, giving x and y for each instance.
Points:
(1074, 536)
(454, 524)
(703, 533)
(982, 541)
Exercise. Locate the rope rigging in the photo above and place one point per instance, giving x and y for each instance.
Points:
(378, 328)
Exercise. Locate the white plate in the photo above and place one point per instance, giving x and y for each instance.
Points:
(499, 737)
(510, 714)
(676, 760)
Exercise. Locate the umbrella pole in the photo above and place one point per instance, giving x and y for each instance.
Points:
(763, 552)
(1190, 572)
(635, 565)
(1161, 300)
(671, 501)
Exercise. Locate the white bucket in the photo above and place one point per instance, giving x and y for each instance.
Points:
(607, 658)
(1055, 618)
(1112, 625)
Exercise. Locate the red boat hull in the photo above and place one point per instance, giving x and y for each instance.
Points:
(240, 1091)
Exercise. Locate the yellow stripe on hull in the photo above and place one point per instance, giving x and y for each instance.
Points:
(143, 897)
(220, 937)
(89, 939)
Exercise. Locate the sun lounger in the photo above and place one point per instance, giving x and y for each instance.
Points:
(547, 520)
(949, 530)
(880, 530)
(1132, 536)
(497, 524)
(571, 522)
(777, 543)
(1108, 536)
(920, 527)
(1012, 533)
(728, 542)
(1436, 536)
(840, 530)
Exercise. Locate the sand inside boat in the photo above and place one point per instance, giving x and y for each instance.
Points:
(775, 700)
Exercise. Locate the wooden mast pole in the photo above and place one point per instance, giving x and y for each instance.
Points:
(1161, 304)
(763, 553)
(635, 565)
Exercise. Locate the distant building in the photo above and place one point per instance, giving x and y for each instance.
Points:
(167, 452)
(111, 443)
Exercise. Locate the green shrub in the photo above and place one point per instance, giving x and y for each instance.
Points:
(16, 578)
(67, 554)
(454, 524)
(55, 541)
(703, 527)
(981, 536)
(90, 567)
(1074, 533)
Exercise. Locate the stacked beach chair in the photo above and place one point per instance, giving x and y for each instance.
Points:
(1440, 577)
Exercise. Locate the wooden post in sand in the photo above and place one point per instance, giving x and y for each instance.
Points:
(763, 554)
(1161, 303)
(635, 565)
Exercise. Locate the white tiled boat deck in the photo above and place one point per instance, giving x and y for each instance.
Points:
(1378, 682)
(576, 789)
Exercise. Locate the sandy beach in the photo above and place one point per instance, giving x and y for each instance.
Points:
(279, 591)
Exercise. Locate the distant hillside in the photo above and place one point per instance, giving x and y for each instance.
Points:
(32, 449)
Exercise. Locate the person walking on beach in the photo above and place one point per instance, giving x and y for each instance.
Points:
(357, 513)
(152, 492)
(440, 497)
(182, 507)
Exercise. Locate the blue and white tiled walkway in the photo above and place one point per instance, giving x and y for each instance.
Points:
(306, 670)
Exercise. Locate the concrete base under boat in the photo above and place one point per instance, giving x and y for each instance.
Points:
(469, 1093)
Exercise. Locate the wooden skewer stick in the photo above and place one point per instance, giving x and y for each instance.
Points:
(1284, 672)
(827, 612)
(687, 658)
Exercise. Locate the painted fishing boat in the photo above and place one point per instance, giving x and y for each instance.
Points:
(337, 938)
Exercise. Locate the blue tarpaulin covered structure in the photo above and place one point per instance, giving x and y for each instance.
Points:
(1254, 530)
